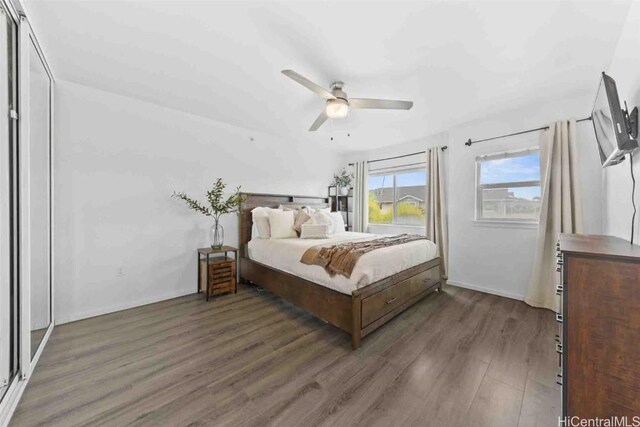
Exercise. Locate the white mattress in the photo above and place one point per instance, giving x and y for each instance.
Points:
(285, 254)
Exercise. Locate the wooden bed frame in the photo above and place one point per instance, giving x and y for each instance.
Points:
(358, 314)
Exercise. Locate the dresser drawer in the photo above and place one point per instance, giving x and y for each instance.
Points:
(387, 300)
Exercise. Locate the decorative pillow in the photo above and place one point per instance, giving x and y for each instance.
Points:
(293, 208)
(261, 225)
(338, 222)
(314, 231)
(322, 218)
(311, 210)
(289, 207)
(281, 223)
(302, 218)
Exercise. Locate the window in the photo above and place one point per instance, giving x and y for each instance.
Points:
(398, 197)
(508, 186)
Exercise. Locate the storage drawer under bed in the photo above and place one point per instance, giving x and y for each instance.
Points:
(387, 300)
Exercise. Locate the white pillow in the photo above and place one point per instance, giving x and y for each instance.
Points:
(289, 207)
(261, 226)
(311, 210)
(322, 218)
(281, 223)
(338, 222)
(314, 231)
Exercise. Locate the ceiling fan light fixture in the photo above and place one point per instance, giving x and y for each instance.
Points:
(338, 104)
(337, 108)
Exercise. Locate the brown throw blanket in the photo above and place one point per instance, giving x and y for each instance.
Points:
(342, 258)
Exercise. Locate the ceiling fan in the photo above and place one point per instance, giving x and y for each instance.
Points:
(338, 104)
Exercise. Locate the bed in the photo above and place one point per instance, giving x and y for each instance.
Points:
(384, 283)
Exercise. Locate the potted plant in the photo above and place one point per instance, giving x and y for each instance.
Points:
(218, 206)
(342, 180)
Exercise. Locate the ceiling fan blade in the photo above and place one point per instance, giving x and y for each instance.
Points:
(384, 104)
(319, 121)
(308, 84)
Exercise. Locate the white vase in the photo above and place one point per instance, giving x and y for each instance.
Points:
(344, 191)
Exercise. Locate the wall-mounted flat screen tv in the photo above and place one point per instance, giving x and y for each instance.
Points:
(611, 124)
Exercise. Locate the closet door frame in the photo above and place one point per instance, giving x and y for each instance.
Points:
(6, 245)
(16, 386)
(27, 41)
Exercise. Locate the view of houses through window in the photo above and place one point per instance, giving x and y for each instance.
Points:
(508, 186)
(398, 197)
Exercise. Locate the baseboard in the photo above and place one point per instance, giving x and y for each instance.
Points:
(125, 306)
(486, 290)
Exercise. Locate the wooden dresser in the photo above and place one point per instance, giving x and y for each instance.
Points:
(599, 334)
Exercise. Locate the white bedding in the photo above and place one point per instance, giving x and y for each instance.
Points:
(285, 254)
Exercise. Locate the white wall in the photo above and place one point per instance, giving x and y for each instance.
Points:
(121, 240)
(625, 69)
(498, 258)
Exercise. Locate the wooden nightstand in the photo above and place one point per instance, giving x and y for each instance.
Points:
(217, 274)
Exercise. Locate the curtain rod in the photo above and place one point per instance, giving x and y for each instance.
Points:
(469, 142)
(399, 157)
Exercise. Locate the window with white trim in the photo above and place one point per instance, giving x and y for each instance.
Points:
(397, 196)
(508, 186)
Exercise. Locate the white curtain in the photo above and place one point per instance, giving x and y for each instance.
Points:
(360, 197)
(436, 227)
(561, 211)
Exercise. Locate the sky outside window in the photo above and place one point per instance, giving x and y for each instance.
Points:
(513, 169)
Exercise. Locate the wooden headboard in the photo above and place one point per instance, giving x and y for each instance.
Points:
(253, 200)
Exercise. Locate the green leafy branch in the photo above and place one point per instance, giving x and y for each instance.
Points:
(218, 206)
(342, 178)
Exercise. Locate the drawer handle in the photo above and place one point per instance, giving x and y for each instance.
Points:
(558, 317)
(391, 300)
(559, 348)
(559, 289)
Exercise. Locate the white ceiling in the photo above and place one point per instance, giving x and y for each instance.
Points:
(222, 59)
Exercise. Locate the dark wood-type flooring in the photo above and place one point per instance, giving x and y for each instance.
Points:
(461, 358)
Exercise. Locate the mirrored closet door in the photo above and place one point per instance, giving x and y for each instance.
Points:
(9, 303)
(35, 194)
(26, 204)
(39, 196)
